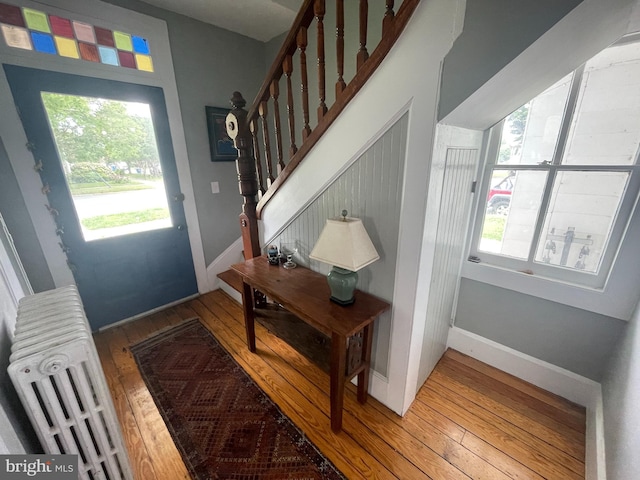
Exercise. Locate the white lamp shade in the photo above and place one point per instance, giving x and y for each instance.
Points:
(345, 243)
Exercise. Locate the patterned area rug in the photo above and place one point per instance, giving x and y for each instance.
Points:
(223, 424)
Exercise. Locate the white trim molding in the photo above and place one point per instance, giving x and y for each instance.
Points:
(559, 381)
(231, 255)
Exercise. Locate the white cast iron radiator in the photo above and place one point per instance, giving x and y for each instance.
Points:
(56, 371)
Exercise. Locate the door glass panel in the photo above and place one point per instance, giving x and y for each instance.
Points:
(578, 223)
(110, 160)
(512, 207)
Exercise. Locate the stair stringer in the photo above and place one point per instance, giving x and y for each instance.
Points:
(407, 81)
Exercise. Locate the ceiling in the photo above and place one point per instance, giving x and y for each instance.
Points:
(259, 19)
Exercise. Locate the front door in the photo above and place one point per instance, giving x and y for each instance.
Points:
(104, 152)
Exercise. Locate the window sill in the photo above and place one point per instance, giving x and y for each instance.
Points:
(610, 301)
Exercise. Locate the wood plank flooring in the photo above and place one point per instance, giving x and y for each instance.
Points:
(469, 420)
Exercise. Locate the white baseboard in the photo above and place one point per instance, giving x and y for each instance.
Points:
(569, 385)
(233, 254)
(595, 461)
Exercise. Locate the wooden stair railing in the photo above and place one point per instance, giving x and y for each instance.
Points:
(261, 164)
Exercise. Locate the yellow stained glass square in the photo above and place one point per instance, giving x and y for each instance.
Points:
(123, 41)
(144, 62)
(67, 47)
(36, 20)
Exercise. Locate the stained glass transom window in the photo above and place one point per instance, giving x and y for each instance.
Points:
(30, 29)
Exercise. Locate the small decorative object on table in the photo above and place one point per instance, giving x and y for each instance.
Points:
(289, 250)
(273, 255)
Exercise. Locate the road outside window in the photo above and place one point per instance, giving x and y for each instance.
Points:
(111, 163)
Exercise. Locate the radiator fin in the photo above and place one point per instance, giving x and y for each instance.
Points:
(56, 371)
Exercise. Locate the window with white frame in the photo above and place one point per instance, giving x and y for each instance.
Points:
(562, 174)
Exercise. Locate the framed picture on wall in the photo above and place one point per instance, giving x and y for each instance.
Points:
(221, 146)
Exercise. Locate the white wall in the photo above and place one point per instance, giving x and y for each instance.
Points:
(13, 286)
(621, 397)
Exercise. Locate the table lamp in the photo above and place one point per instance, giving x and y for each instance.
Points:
(345, 244)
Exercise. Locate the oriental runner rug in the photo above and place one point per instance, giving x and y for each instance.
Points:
(223, 424)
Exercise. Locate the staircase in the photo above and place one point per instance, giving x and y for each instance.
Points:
(263, 165)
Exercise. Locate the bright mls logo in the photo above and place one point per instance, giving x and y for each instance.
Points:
(50, 467)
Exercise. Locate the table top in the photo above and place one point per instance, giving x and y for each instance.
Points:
(305, 293)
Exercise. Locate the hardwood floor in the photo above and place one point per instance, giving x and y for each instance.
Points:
(469, 420)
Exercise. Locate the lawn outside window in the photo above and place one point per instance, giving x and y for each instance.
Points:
(562, 177)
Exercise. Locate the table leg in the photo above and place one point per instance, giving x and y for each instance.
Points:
(363, 376)
(338, 365)
(249, 318)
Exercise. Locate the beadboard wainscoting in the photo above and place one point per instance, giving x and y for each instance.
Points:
(455, 206)
(370, 189)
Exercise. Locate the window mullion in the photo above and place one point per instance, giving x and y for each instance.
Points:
(567, 117)
(542, 213)
(563, 135)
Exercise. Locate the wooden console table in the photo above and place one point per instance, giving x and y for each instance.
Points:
(306, 294)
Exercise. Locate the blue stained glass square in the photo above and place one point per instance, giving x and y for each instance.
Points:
(108, 55)
(43, 42)
(140, 45)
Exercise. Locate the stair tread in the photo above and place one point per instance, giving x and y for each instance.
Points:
(232, 278)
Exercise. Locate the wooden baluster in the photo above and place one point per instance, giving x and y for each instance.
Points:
(238, 131)
(302, 46)
(340, 84)
(263, 111)
(389, 16)
(287, 67)
(275, 93)
(256, 153)
(363, 55)
(319, 11)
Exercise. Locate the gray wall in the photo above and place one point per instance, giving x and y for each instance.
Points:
(568, 337)
(495, 32)
(210, 63)
(370, 189)
(14, 211)
(621, 397)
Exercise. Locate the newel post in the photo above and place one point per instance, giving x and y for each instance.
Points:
(238, 130)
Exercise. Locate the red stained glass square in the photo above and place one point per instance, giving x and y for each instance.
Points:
(61, 26)
(89, 52)
(11, 15)
(126, 59)
(104, 37)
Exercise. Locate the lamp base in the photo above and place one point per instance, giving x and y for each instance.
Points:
(342, 302)
(342, 284)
